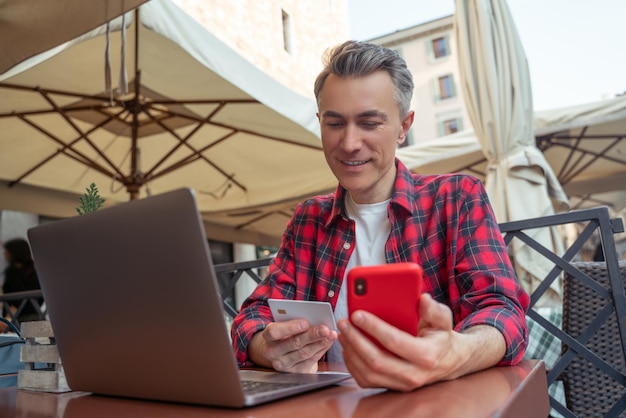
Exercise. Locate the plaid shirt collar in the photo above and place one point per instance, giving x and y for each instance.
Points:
(403, 195)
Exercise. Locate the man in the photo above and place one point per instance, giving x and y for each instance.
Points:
(472, 310)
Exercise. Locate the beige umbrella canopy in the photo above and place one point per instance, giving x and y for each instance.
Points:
(496, 86)
(584, 144)
(196, 115)
(30, 27)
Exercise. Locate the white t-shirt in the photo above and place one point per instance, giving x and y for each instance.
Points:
(371, 233)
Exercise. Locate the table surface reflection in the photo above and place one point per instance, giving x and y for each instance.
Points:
(505, 392)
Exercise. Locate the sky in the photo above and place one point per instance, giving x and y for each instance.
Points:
(576, 49)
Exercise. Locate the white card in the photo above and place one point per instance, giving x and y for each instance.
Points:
(317, 313)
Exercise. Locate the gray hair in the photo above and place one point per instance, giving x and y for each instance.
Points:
(358, 59)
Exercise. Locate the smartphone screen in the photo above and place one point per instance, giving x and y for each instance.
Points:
(389, 291)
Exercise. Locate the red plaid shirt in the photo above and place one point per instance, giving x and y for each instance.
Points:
(443, 222)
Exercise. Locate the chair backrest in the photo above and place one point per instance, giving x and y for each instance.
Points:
(30, 300)
(591, 386)
(236, 271)
(588, 346)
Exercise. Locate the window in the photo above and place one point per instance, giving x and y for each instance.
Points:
(440, 47)
(286, 32)
(450, 125)
(445, 87)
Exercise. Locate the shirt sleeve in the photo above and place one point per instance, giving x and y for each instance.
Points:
(488, 291)
(255, 313)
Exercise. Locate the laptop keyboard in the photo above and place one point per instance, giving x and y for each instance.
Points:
(254, 386)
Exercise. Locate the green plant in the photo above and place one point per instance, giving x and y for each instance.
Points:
(90, 201)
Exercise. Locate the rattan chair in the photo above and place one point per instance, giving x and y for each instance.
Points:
(591, 388)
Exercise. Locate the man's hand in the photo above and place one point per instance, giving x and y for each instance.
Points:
(437, 353)
(291, 346)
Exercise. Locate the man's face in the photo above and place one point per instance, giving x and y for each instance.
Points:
(361, 127)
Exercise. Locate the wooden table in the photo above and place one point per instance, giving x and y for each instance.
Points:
(503, 392)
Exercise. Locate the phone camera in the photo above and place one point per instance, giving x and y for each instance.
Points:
(360, 286)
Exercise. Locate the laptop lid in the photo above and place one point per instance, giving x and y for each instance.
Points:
(135, 306)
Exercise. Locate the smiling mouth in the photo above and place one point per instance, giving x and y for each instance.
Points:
(354, 163)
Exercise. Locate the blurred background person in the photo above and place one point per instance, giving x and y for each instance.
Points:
(20, 276)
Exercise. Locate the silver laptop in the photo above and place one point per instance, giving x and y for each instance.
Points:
(136, 309)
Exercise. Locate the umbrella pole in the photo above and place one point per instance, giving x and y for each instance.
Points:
(135, 182)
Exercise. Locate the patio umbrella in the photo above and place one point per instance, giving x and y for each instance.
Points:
(585, 145)
(496, 86)
(196, 115)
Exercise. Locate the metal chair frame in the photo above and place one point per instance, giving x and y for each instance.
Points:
(237, 270)
(31, 297)
(595, 219)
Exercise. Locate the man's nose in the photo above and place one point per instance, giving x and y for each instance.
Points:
(351, 140)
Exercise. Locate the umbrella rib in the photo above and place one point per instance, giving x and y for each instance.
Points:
(615, 137)
(201, 101)
(569, 163)
(196, 156)
(245, 131)
(181, 141)
(92, 164)
(85, 159)
(64, 150)
(589, 198)
(196, 153)
(569, 168)
(274, 138)
(89, 162)
(34, 168)
(41, 90)
(577, 167)
(82, 134)
(595, 157)
(602, 154)
(47, 111)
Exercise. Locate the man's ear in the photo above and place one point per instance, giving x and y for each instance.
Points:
(407, 121)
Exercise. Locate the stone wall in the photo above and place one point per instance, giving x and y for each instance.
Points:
(255, 29)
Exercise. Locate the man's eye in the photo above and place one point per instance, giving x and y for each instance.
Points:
(370, 124)
(334, 124)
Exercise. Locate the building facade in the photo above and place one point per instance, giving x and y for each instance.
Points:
(284, 38)
(429, 50)
(287, 38)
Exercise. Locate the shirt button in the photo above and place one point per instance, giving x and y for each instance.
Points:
(331, 293)
(346, 246)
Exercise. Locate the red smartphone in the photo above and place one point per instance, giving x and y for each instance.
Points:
(389, 291)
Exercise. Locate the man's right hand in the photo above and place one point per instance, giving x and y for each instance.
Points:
(291, 346)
